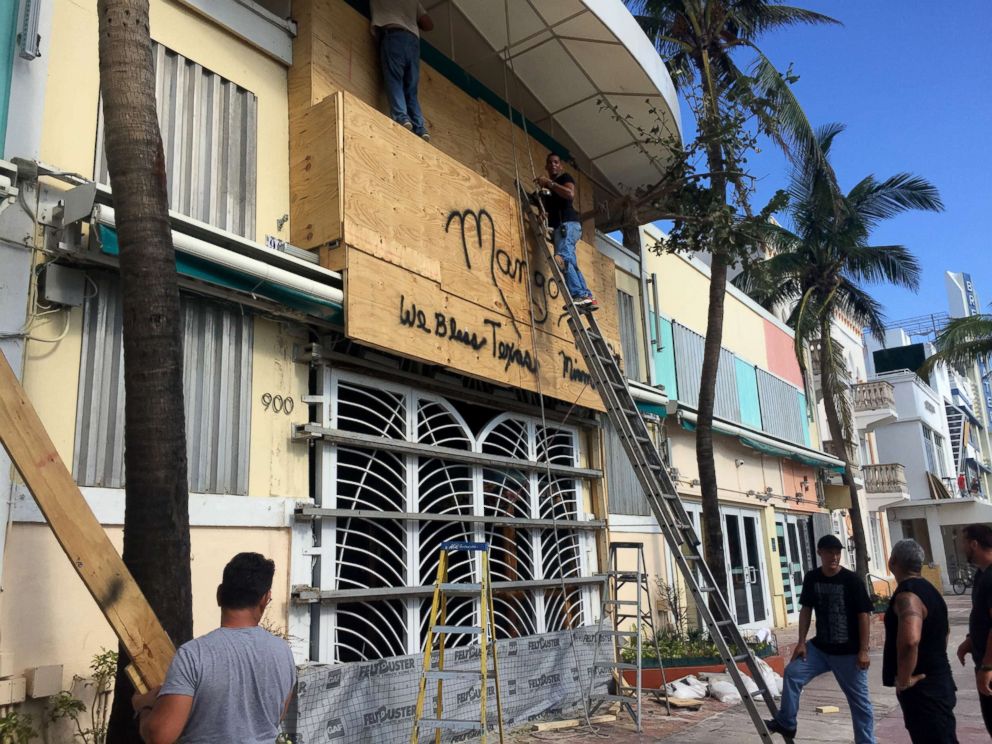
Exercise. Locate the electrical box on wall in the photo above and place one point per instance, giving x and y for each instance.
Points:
(62, 285)
(44, 681)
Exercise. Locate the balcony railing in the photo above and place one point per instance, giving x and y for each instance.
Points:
(887, 478)
(875, 395)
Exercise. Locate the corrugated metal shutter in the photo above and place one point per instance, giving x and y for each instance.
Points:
(217, 341)
(689, 366)
(780, 414)
(688, 363)
(209, 131)
(625, 493)
(627, 321)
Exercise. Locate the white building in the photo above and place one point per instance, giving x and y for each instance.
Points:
(931, 451)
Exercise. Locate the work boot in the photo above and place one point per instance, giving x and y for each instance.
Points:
(777, 728)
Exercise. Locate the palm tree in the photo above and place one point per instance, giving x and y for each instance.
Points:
(961, 343)
(156, 521)
(700, 41)
(818, 270)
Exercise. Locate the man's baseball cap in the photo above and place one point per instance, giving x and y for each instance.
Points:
(829, 542)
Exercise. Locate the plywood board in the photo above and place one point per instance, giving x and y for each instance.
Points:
(449, 244)
(79, 533)
(397, 310)
(413, 206)
(316, 200)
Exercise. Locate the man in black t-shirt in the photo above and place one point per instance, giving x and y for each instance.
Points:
(843, 616)
(976, 542)
(915, 657)
(564, 221)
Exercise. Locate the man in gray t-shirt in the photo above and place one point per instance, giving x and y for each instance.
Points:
(234, 683)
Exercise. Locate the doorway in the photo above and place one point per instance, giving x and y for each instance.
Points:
(745, 566)
(795, 557)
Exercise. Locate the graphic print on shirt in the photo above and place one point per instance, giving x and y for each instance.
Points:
(832, 599)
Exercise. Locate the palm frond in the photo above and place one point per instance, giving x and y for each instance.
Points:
(874, 201)
(877, 264)
(863, 309)
(777, 16)
(962, 342)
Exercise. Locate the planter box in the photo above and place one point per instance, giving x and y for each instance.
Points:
(678, 668)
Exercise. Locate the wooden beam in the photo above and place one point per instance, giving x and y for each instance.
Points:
(80, 534)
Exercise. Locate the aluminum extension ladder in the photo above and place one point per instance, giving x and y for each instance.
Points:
(486, 630)
(659, 490)
(620, 611)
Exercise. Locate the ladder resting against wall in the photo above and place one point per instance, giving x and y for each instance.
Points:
(659, 489)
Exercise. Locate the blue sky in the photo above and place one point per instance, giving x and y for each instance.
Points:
(912, 80)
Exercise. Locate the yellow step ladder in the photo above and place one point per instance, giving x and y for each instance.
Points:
(486, 630)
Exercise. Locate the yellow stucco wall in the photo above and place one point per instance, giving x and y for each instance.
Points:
(683, 294)
(51, 377)
(277, 466)
(72, 96)
(48, 617)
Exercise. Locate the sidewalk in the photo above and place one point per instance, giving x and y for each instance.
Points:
(715, 723)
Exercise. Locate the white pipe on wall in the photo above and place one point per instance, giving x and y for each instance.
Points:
(262, 271)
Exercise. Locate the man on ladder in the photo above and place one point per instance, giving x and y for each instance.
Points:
(557, 195)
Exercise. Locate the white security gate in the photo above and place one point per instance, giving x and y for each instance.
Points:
(397, 470)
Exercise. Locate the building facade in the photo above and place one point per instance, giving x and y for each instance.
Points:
(767, 447)
(938, 436)
(372, 360)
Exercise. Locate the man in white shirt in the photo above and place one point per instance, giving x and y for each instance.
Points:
(397, 25)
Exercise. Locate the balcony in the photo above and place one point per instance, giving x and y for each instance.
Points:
(874, 404)
(885, 485)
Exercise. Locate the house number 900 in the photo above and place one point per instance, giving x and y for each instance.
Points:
(277, 403)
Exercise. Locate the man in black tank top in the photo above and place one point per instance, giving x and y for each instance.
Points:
(915, 657)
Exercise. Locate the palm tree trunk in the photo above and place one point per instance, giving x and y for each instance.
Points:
(831, 394)
(712, 521)
(708, 487)
(156, 521)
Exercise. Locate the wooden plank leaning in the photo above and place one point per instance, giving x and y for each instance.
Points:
(81, 536)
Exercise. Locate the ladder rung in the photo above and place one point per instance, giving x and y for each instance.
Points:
(620, 601)
(627, 575)
(741, 657)
(616, 698)
(456, 629)
(460, 588)
(450, 723)
(617, 664)
(452, 673)
(724, 622)
(625, 633)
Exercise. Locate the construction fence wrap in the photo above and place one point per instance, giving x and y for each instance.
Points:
(543, 677)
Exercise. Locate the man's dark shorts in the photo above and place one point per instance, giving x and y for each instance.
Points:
(928, 710)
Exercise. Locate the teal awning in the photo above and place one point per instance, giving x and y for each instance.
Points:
(207, 271)
(770, 449)
(652, 408)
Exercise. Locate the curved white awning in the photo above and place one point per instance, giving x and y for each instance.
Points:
(584, 71)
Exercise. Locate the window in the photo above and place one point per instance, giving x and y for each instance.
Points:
(627, 320)
(209, 134)
(380, 560)
(934, 450)
(217, 343)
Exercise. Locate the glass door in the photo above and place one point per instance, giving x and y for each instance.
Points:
(793, 559)
(745, 567)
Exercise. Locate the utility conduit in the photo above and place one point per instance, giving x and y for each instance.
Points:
(228, 259)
